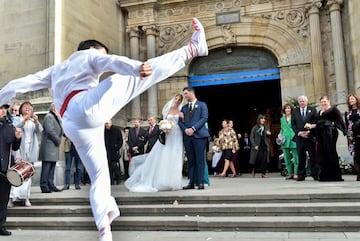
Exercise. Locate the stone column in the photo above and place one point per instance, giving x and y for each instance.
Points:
(339, 52)
(151, 53)
(316, 50)
(134, 54)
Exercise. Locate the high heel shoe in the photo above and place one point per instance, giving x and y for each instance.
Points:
(233, 175)
(222, 175)
(253, 172)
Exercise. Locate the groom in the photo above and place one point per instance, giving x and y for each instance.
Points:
(195, 136)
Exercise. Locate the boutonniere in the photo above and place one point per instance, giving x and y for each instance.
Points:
(196, 106)
(309, 111)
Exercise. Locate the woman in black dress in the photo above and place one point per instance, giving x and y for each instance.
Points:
(352, 121)
(329, 120)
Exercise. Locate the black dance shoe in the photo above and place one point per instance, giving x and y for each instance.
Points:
(201, 186)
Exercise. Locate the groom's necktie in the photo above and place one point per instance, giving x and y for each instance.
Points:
(190, 107)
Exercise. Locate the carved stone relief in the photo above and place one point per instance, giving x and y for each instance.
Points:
(293, 18)
(168, 34)
(228, 35)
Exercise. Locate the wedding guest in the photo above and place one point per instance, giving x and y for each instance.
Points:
(113, 144)
(259, 155)
(327, 125)
(70, 155)
(304, 138)
(49, 149)
(229, 146)
(29, 123)
(289, 146)
(125, 153)
(352, 121)
(137, 138)
(244, 153)
(153, 133)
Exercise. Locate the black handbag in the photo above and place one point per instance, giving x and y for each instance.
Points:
(162, 137)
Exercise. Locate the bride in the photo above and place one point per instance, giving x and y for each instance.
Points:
(161, 168)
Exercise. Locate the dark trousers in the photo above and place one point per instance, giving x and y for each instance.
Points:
(69, 156)
(303, 146)
(126, 168)
(4, 198)
(114, 169)
(195, 151)
(47, 176)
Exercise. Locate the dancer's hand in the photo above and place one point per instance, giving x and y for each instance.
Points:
(145, 70)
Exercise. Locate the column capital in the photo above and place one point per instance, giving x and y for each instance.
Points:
(133, 32)
(313, 8)
(151, 29)
(334, 5)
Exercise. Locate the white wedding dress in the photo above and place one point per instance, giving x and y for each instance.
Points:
(161, 169)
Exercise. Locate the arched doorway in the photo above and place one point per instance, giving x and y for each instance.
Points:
(238, 84)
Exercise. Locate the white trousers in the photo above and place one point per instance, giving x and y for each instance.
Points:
(85, 117)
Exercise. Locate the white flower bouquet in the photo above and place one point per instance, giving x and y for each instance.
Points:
(166, 125)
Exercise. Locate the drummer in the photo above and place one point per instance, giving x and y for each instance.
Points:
(9, 138)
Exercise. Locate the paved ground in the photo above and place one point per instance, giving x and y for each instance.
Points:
(244, 185)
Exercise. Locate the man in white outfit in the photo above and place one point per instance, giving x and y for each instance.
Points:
(85, 104)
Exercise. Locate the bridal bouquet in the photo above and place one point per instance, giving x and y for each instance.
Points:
(166, 125)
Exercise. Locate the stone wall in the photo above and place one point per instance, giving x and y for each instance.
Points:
(354, 19)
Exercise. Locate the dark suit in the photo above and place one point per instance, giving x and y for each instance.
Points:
(153, 137)
(195, 145)
(139, 140)
(113, 143)
(304, 145)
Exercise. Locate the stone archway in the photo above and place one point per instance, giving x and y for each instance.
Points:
(290, 48)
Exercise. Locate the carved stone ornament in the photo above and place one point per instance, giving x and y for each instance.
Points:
(228, 35)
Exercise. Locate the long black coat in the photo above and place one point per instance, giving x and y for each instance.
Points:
(255, 139)
(113, 143)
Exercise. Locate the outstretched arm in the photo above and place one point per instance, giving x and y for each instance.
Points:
(32, 82)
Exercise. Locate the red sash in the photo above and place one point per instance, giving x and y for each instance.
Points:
(67, 100)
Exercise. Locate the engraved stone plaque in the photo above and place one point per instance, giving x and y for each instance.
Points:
(227, 18)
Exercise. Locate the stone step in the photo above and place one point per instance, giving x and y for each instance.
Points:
(230, 210)
(196, 223)
(157, 198)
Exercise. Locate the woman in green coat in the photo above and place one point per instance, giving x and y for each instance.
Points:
(289, 146)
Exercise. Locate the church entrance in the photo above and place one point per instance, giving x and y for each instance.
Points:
(239, 86)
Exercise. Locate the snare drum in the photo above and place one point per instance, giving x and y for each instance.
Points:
(20, 172)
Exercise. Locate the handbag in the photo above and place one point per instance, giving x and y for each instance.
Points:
(209, 155)
(280, 139)
(162, 137)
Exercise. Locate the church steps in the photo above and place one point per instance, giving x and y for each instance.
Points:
(196, 223)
